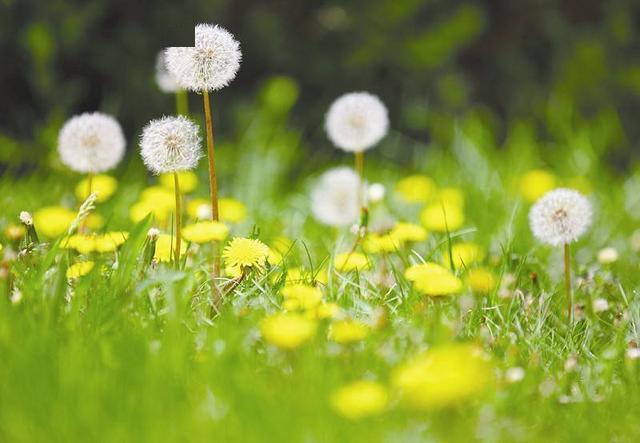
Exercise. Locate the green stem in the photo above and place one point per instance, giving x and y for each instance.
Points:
(567, 281)
(182, 102)
(178, 218)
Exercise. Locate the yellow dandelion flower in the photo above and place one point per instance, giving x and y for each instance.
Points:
(232, 210)
(188, 181)
(325, 310)
(245, 253)
(464, 254)
(439, 217)
(482, 280)
(166, 246)
(205, 232)
(103, 185)
(141, 209)
(381, 243)
(408, 232)
(229, 209)
(301, 297)
(158, 195)
(351, 261)
(534, 184)
(287, 331)
(232, 271)
(433, 279)
(348, 331)
(416, 188)
(442, 376)
(77, 270)
(52, 221)
(360, 399)
(110, 241)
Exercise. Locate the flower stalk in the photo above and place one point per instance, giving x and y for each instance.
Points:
(567, 282)
(178, 216)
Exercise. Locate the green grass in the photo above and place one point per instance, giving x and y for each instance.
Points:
(128, 353)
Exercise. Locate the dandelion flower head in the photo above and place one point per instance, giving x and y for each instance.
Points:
(245, 253)
(334, 199)
(170, 144)
(91, 143)
(165, 80)
(208, 66)
(560, 216)
(356, 121)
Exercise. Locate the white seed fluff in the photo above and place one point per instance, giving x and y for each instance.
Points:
(356, 121)
(208, 66)
(560, 216)
(334, 199)
(91, 143)
(165, 81)
(170, 144)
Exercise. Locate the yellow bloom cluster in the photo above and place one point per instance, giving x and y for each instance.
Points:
(287, 331)
(79, 269)
(360, 399)
(433, 279)
(53, 221)
(348, 331)
(395, 239)
(87, 243)
(307, 299)
(443, 376)
(104, 186)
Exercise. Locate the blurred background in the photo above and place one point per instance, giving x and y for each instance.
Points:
(545, 73)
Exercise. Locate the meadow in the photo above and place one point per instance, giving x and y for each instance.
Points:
(403, 298)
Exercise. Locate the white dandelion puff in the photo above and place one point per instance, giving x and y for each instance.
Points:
(208, 66)
(91, 143)
(164, 79)
(334, 199)
(26, 218)
(170, 144)
(560, 217)
(356, 121)
(376, 192)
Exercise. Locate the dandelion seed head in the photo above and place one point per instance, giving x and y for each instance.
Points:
(164, 79)
(208, 66)
(26, 218)
(560, 216)
(91, 143)
(356, 121)
(334, 199)
(170, 144)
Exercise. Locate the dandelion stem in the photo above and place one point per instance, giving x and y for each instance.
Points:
(567, 281)
(178, 218)
(83, 225)
(359, 163)
(213, 183)
(182, 102)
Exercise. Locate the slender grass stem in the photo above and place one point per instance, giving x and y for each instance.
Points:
(178, 218)
(567, 281)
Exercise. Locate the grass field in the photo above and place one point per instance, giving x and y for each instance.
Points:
(129, 351)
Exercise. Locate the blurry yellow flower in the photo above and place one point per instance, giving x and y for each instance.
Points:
(408, 232)
(298, 296)
(140, 210)
(441, 217)
(464, 254)
(274, 257)
(326, 310)
(351, 261)
(348, 331)
(158, 195)
(199, 208)
(86, 244)
(534, 184)
(110, 241)
(103, 185)
(187, 181)
(52, 221)
(232, 210)
(416, 188)
(79, 269)
(245, 253)
(14, 232)
(481, 280)
(451, 197)
(205, 232)
(360, 399)
(379, 243)
(442, 376)
(229, 209)
(432, 279)
(287, 331)
(165, 248)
